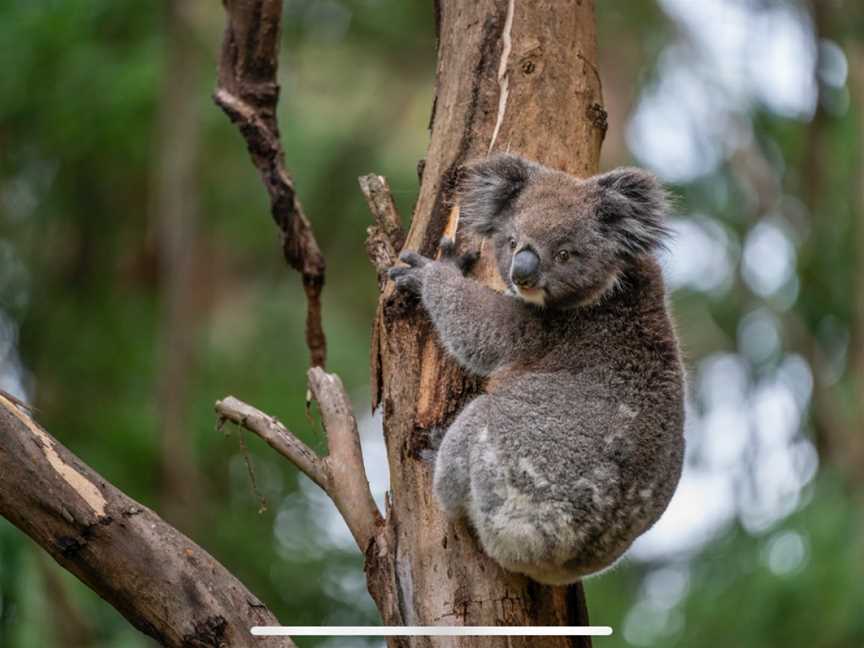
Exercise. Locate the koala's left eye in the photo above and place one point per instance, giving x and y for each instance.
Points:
(562, 256)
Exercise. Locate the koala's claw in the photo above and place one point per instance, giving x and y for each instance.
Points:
(447, 246)
(399, 271)
(408, 278)
(464, 262)
(413, 259)
(428, 455)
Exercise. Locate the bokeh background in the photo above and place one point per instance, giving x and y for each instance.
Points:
(141, 279)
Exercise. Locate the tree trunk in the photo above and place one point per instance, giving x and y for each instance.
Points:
(510, 77)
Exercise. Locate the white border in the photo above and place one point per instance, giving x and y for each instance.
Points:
(431, 631)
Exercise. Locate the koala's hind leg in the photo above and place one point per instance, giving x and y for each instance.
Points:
(452, 478)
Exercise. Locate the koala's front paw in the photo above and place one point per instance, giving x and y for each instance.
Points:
(464, 262)
(410, 278)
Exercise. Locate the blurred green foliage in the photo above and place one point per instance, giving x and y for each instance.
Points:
(80, 303)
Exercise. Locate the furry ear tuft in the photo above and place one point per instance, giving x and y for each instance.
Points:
(488, 188)
(634, 205)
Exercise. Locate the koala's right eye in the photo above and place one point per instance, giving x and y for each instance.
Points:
(512, 242)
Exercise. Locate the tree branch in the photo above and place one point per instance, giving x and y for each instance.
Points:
(349, 485)
(385, 237)
(277, 437)
(341, 473)
(163, 583)
(248, 92)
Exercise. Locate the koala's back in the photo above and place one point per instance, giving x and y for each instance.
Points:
(583, 445)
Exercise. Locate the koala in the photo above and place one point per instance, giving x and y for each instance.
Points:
(577, 445)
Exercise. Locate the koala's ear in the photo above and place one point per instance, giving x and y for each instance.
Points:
(488, 188)
(634, 205)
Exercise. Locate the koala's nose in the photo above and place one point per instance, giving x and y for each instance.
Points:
(523, 272)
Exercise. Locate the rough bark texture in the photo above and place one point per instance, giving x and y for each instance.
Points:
(248, 92)
(163, 583)
(511, 77)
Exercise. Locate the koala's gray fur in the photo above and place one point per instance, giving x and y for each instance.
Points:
(577, 446)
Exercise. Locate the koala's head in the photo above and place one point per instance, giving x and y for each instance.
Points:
(561, 241)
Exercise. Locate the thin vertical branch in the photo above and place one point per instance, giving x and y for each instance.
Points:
(248, 92)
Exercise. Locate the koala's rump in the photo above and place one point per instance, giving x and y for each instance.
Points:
(552, 480)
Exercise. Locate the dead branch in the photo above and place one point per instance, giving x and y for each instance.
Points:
(161, 581)
(384, 239)
(277, 437)
(248, 92)
(341, 473)
(385, 236)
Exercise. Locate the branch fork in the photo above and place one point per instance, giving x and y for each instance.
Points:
(341, 473)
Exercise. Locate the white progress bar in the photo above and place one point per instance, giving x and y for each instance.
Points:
(431, 631)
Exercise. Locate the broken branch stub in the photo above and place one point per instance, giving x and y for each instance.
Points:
(385, 237)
